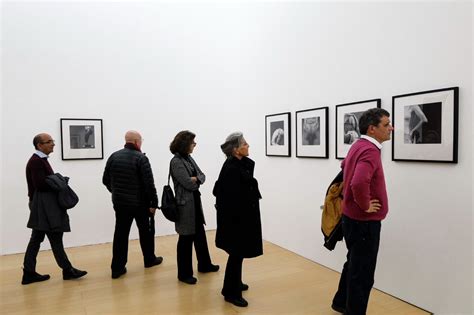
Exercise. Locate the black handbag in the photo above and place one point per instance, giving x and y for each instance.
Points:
(169, 206)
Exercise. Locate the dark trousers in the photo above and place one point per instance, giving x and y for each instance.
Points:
(362, 240)
(233, 277)
(146, 231)
(185, 252)
(56, 241)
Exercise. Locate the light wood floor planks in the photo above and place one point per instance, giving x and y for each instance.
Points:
(280, 281)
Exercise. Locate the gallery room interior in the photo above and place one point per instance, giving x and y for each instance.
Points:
(214, 68)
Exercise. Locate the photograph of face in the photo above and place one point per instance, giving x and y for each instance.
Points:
(351, 127)
(422, 123)
(277, 131)
(82, 137)
(310, 131)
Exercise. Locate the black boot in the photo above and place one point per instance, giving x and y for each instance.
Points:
(158, 260)
(73, 273)
(210, 268)
(33, 276)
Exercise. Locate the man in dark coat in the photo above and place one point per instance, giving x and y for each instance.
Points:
(128, 176)
(47, 218)
(239, 229)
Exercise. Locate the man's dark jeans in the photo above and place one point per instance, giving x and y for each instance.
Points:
(362, 240)
(56, 241)
(146, 231)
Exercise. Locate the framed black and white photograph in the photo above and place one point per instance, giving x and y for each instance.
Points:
(278, 135)
(81, 139)
(347, 124)
(426, 126)
(312, 133)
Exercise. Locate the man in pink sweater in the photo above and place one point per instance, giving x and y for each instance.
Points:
(365, 205)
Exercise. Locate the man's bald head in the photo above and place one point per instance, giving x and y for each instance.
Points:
(134, 137)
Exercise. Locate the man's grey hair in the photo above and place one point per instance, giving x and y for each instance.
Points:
(233, 141)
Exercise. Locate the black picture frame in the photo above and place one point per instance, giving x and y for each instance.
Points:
(347, 120)
(278, 134)
(426, 126)
(81, 139)
(312, 133)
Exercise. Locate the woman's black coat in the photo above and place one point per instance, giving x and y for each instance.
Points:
(239, 229)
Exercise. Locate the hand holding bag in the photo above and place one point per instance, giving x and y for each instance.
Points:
(169, 206)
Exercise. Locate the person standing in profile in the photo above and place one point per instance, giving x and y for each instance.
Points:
(46, 216)
(128, 176)
(365, 205)
(239, 228)
(88, 132)
(187, 178)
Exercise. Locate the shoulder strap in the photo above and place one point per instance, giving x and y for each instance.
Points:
(169, 175)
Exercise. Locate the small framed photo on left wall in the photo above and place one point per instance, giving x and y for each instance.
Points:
(81, 139)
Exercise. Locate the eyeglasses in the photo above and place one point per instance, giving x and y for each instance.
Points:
(48, 142)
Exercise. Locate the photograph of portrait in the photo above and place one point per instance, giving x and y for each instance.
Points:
(81, 139)
(426, 126)
(312, 133)
(347, 124)
(351, 127)
(277, 135)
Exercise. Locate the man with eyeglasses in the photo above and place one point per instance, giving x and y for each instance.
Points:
(37, 169)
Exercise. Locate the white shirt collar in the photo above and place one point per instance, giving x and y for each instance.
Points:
(41, 154)
(369, 138)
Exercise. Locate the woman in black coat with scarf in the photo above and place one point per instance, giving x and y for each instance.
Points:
(239, 229)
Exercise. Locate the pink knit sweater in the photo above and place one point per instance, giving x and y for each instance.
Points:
(363, 181)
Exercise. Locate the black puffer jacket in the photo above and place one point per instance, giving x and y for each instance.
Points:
(128, 176)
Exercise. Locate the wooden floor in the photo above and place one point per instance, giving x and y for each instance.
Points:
(280, 281)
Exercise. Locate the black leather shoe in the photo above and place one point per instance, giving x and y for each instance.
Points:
(73, 273)
(32, 277)
(210, 268)
(338, 308)
(244, 287)
(237, 301)
(119, 273)
(190, 280)
(158, 260)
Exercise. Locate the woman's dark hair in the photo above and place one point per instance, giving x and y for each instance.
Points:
(371, 117)
(182, 142)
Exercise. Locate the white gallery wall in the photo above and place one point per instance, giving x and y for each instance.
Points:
(215, 68)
